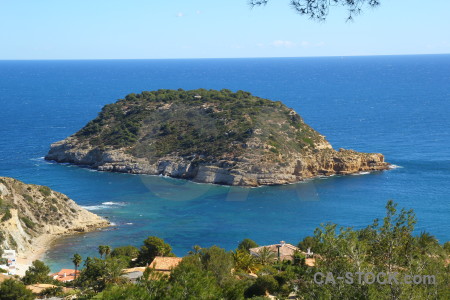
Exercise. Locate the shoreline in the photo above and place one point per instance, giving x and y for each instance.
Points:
(37, 251)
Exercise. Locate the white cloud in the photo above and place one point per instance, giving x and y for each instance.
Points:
(180, 14)
(281, 43)
(198, 12)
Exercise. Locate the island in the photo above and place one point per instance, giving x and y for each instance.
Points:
(32, 216)
(208, 136)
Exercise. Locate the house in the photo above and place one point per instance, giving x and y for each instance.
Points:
(165, 264)
(8, 262)
(282, 251)
(65, 275)
(133, 274)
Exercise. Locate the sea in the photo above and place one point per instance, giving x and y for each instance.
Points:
(395, 105)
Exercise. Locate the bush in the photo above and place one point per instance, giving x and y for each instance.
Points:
(30, 224)
(6, 216)
(13, 289)
(45, 190)
(246, 244)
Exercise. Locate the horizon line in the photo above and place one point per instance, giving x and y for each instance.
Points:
(205, 58)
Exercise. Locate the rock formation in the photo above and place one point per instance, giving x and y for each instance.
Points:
(208, 136)
(28, 212)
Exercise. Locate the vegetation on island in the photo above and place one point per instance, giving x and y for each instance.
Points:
(385, 246)
(206, 123)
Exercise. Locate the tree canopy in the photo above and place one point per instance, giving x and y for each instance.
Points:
(318, 9)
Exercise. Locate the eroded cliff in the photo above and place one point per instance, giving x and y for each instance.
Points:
(28, 212)
(208, 136)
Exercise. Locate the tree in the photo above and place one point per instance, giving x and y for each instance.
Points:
(190, 280)
(266, 256)
(153, 246)
(195, 249)
(246, 244)
(127, 251)
(11, 289)
(308, 242)
(244, 261)
(98, 273)
(318, 9)
(37, 273)
(107, 250)
(101, 250)
(76, 259)
(217, 261)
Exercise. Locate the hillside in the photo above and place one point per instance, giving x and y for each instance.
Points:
(208, 136)
(32, 215)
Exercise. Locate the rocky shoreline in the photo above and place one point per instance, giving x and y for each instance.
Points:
(211, 136)
(33, 216)
(246, 171)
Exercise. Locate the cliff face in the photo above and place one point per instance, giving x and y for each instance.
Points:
(208, 136)
(28, 212)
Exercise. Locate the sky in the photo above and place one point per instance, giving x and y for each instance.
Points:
(157, 29)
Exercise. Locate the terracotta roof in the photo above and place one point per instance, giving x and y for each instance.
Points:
(286, 250)
(310, 262)
(65, 275)
(161, 263)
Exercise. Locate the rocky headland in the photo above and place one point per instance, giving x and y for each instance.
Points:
(32, 216)
(208, 136)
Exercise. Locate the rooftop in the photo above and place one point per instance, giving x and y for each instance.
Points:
(165, 264)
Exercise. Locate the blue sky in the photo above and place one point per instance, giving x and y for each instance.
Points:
(133, 29)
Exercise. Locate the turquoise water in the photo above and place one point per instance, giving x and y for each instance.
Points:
(396, 105)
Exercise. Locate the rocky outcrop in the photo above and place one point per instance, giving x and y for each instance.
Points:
(274, 146)
(28, 212)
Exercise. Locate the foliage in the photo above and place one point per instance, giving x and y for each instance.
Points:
(52, 292)
(153, 246)
(245, 262)
(37, 273)
(199, 124)
(45, 191)
(246, 244)
(98, 273)
(11, 289)
(128, 251)
(266, 256)
(30, 224)
(6, 216)
(76, 259)
(307, 242)
(214, 273)
(318, 9)
(104, 250)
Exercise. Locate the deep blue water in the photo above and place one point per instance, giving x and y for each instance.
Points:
(396, 105)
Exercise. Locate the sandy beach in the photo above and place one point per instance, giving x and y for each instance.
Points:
(39, 247)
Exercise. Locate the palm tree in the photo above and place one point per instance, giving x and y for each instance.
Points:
(244, 261)
(195, 250)
(101, 250)
(76, 261)
(266, 256)
(107, 250)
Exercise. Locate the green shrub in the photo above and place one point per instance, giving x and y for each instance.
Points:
(28, 198)
(45, 190)
(30, 224)
(6, 216)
